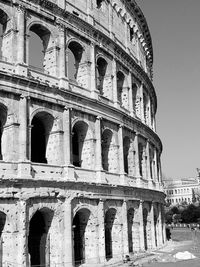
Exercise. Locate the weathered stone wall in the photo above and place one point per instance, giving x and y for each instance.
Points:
(56, 209)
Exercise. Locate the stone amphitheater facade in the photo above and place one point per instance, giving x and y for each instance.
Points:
(80, 157)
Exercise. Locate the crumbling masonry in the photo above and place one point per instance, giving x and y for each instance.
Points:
(80, 173)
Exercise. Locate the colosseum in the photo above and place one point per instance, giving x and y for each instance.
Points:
(80, 161)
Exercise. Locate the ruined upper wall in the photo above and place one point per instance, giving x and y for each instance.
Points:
(122, 21)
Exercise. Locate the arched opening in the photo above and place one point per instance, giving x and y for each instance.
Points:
(126, 150)
(39, 43)
(106, 144)
(101, 72)
(80, 223)
(3, 29)
(38, 239)
(3, 118)
(99, 3)
(41, 124)
(140, 152)
(145, 217)
(120, 85)
(110, 217)
(155, 227)
(130, 217)
(81, 145)
(75, 53)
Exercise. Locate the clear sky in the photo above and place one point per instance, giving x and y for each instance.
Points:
(175, 32)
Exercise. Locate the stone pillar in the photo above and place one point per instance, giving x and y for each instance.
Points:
(121, 155)
(62, 57)
(21, 68)
(23, 114)
(67, 235)
(141, 227)
(131, 109)
(149, 115)
(92, 82)
(101, 231)
(125, 229)
(114, 68)
(141, 102)
(148, 172)
(137, 169)
(24, 166)
(160, 234)
(98, 144)
(22, 254)
(21, 33)
(69, 168)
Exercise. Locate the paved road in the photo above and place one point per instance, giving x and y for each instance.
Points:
(182, 240)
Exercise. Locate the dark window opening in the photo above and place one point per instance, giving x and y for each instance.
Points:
(140, 151)
(120, 85)
(101, 71)
(39, 41)
(38, 243)
(99, 3)
(145, 216)
(79, 227)
(131, 34)
(105, 148)
(75, 52)
(38, 141)
(75, 149)
(130, 216)
(109, 222)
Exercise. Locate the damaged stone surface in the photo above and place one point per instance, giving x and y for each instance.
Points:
(80, 169)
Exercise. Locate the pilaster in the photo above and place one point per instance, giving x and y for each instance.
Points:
(101, 231)
(67, 235)
(62, 56)
(141, 227)
(114, 68)
(22, 234)
(131, 109)
(92, 76)
(121, 154)
(141, 102)
(68, 166)
(125, 229)
(21, 68)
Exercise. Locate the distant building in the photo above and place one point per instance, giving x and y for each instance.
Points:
(181, 190)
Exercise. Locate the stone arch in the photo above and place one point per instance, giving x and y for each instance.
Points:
(5, 25)
(130, 218)
(127, 156)
(41, 34)
(142, 157)
(38, 238)
(107, 142)
(76, 62)
(84, 232)
(42, 123)
(156, 222)
(120, 85)
(82, 145)
(101, 69)
(113, 229)
(145, 227)
(3, 140)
